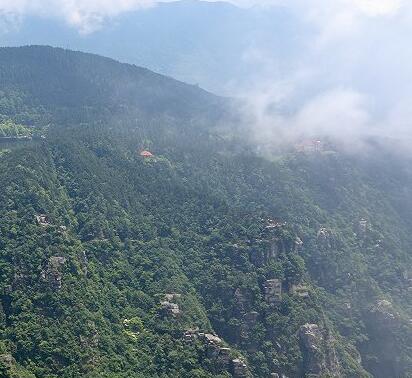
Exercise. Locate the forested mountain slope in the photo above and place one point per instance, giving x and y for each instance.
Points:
(205, 260)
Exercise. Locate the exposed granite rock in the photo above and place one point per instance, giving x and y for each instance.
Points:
(239, 368)
(301, 290)
(273, 291)
(311, 346)
(265, 251)
(169, 305)
(217, 352)
(273, 224)
(384, 313)
(298, 245)
(325, 238)
(385, 324)
(84, 262)
(210, 338)
(250, 318)
(53, 271)
(248, 322)
(319, 355)
(362, 227)
(172, 296)
(224, 357)
(241, 301)
(42, 220)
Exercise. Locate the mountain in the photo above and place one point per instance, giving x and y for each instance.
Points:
(199, 257)
(188, 40)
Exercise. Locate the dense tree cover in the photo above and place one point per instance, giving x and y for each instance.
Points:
(13, 130)
(92, 236)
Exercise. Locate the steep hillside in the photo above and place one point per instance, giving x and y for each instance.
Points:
(203, 260)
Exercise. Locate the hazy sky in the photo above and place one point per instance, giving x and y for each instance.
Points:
(88, 15)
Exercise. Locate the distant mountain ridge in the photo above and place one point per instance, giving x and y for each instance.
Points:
(199, 42)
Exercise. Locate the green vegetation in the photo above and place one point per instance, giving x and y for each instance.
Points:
(98, 245)
(10, 129)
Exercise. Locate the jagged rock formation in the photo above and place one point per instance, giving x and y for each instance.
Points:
(218, 353)
(319, 356)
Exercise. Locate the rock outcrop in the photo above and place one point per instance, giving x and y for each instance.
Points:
(319, 355)
(362, 227)
(298, 245)
(325, 238)
(265, 251)
(216, 351)
(53, 271)
(242, 301)
(248, 323)
(169, 305)
(239, 368)
(273, 291)
(42, 220)
(301, 290)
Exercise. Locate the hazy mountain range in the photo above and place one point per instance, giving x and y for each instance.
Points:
(197, 42)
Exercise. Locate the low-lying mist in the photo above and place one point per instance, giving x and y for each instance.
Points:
(349, 82)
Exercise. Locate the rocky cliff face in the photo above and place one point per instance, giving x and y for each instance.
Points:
(319, 355)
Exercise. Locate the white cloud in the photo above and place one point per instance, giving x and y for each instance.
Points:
(377, 7)
(89, 15)
(349, 81)
(85, 15)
